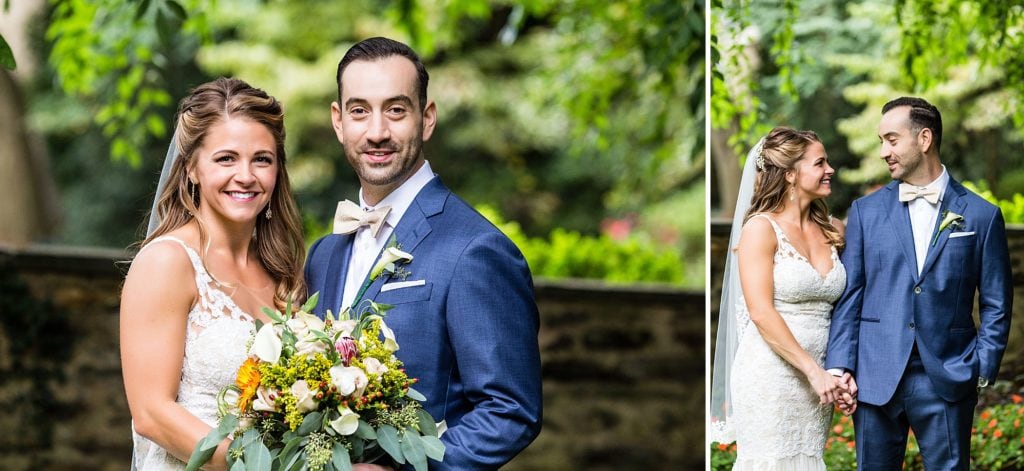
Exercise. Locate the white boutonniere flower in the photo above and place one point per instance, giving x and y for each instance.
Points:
(389, 261)
(950, 220)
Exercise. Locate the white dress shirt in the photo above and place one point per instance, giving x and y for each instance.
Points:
(923, 216)
(365, 247)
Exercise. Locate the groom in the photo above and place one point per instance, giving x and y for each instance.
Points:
(464, 312)
(917, 252)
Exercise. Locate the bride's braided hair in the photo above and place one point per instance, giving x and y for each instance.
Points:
(781, 149)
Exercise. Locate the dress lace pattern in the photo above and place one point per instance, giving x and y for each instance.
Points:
(778, 421)
(215, 346)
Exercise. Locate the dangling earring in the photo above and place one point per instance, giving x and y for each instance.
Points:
(191, 193)
(792, 193)
(269, 214)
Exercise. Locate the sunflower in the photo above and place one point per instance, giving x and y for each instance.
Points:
(247, 381)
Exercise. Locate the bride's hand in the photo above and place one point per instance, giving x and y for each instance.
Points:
(825, 385)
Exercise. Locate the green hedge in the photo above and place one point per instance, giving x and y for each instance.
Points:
(997, 442)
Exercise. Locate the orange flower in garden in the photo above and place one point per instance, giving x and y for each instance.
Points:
(998, 433)
(1017, 399)
(723, 446)
(850, 445)
(838, 429)
(992, 423)
(1016, 423)
(248, 380)
(985, 414)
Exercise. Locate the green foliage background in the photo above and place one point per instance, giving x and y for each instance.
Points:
(830, 65)
(559, 114)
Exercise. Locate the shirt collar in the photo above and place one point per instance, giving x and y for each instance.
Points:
(403, 196)
(939, 184)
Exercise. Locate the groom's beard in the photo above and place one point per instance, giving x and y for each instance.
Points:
(398, 169)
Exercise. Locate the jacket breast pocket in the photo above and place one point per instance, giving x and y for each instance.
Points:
(410, 294)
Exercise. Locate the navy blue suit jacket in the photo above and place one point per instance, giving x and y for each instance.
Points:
(887, 307)
(469, 333)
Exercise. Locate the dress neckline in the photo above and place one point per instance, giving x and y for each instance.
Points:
(203, 278)
(781, 235)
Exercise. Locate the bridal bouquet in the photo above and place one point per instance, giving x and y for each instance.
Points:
(326, 393)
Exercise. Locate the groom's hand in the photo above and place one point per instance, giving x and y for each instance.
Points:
(370, 467)
(848, 395)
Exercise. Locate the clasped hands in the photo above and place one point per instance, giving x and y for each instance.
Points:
(841, 390)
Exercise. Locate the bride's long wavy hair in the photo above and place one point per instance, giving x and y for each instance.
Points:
(783, 148)
(278, 242)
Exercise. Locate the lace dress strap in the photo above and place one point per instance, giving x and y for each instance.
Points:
(785, 248)
(213, 301)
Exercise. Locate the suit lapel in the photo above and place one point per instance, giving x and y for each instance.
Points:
(899, 217)
(951, 202)
(337, 270)
(414, 225)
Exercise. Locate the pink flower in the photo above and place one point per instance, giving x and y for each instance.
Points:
(346, 346)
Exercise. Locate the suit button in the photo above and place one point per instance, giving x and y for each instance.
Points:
(911, 325)
(917, 290)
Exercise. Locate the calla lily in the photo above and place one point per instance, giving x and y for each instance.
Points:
(347, 423)
(387, 261)
(389, 337)
(267, 344)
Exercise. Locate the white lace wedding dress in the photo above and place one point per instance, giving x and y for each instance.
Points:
(215, 346)
(778, 421)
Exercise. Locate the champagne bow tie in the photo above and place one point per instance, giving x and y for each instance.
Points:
(911, 192)
(351, 217)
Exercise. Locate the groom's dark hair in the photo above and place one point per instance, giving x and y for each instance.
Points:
(378, 48)
(922, 115)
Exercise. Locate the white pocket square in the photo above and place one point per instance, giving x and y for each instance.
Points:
(401, 284)
(960, 234)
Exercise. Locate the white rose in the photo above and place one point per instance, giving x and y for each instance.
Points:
(374, 366)
(347, 423)
(349, 380)
(305, 398)
(267, 344)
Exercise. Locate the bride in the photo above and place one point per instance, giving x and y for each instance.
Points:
(225, 240)
(770, 392)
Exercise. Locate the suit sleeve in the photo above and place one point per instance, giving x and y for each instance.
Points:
(314, 282)
(844, 333)
(995, 300)
(493, 324)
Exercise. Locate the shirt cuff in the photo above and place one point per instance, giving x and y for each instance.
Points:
(836, 371)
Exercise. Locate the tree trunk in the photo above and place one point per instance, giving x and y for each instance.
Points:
(28, 195)
(727, 170)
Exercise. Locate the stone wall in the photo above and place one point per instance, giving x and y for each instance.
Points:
(1013, 361)
(623, 370)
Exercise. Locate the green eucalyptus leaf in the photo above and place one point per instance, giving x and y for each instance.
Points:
(311, 423)
(387, 438)
(433, 447)
(426, 422)
(291, 445)
(238, 465)
(340, 458)
(415, 395)
(365, 430)
(413, 450)
(257, 457)
(205, 448)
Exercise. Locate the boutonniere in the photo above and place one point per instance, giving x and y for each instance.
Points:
(391, 263)
(950, 220)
